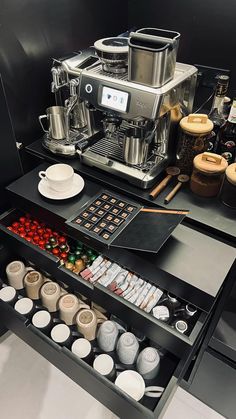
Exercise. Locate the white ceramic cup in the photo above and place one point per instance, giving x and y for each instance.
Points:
(33, 281)
(16, 271)
(59, 176)
(148, 363)
(69, 305)
(127, 348)
(50, 293)
(107, 336)
(132, 383)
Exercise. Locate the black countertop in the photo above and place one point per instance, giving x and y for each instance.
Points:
(206, 213)
(188, 255)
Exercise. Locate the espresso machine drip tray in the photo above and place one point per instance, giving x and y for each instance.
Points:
(107, 154)
(67, 148)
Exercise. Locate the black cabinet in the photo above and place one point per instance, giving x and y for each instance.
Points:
(176, 269)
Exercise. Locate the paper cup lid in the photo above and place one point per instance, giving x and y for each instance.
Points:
(60, 333)
(132, 383)
(41, 319)
(7, 293)
(81, 347)
(103, 364)
(24, 305)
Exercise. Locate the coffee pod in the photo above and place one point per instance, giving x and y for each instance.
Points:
(181, 326)
(26, 307)
(127, 348)
(132, 383)
(8, 295)
(42, 320)
(148, 363)
(50, 293)
(16, 271)
(86, 321)
(104, 364)
(69, 305)
(83, 349)
(61, 334)
(33, 281)
(162, 313)
(107, 336)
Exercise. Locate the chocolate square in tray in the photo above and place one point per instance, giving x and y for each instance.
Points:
(115, 221)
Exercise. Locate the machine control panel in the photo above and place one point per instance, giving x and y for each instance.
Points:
(125, 100)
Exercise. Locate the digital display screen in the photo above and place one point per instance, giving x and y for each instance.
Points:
(114, 99)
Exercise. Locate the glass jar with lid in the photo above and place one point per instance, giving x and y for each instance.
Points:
(208, 173)
(228, 190)
(194, 136)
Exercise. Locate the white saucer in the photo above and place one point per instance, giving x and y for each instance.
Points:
(77, 187)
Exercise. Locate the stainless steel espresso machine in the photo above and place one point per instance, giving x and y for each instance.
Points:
(126, 97)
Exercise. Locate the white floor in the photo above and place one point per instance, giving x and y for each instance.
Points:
(31, 388)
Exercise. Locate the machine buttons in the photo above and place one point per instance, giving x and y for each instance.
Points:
(88, 88)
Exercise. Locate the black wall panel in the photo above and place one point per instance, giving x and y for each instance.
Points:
(207, 27)
(10, 165)
(33, 31)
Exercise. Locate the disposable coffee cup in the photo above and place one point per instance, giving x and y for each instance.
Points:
(26, 307)
(42, 320)
(8, 295)
(82, 348)
(50, 293)
(69, 305)
(15, 272)
(61, 334)
(33, 281)
(104, 364)
(58, 176)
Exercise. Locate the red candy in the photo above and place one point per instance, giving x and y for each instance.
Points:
(22, 220)
(40, 231)
(21, 230)
(63, 255)
(30, 234)
(15, 225)
(62, 240)
(36, 239)
(55, 251)
(29, 239)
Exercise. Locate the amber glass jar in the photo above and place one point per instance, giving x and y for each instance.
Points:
(208, 173)
(195, 132)
(228, 190)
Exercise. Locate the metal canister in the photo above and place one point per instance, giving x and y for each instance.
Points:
(228, 189)
(194, 137)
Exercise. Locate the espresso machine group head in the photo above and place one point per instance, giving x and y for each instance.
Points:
(130, 119)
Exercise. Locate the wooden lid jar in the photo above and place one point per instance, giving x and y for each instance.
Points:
(228, 190)
(208, 173)
(194, 137)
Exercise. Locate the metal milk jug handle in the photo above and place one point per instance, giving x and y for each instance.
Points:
(40, 121)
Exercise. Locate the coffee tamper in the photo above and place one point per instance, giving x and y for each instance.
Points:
(171, 171)
(181, 179)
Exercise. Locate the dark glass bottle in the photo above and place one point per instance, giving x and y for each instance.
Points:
(216, 114)
(227, 141)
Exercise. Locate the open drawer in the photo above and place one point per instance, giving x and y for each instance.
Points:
(156, 330)
(171, 370)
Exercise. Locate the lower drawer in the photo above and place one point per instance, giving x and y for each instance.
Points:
(171, 370)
